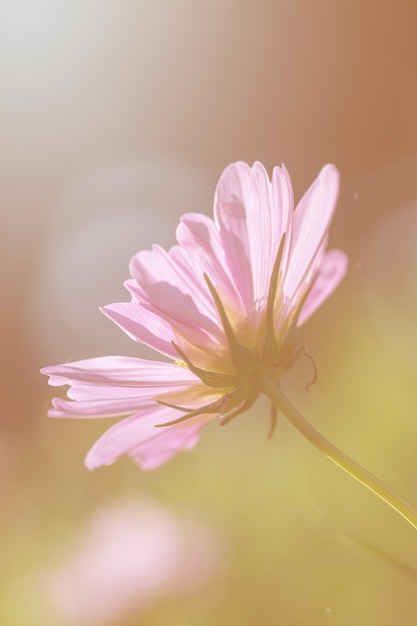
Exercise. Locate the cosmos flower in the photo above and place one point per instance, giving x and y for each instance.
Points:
(224, 305)
(130, 555)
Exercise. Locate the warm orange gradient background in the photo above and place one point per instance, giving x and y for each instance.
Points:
(115, 118)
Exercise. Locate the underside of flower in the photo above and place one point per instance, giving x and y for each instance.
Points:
(272, 354)
(224, 306)
(226, 301)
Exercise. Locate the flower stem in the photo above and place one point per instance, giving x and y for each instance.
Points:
(269, 389)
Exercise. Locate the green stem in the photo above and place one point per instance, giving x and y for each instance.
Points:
(269, 388)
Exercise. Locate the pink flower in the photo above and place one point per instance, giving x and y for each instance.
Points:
(224, 305)
(129, 556)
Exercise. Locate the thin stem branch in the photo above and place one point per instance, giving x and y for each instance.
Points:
(355, 470)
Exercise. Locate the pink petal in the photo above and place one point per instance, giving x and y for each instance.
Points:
(311, 223)
(234, 194)
(268, 217)
(142, 325)
(111, 386)
(98, 408)
(119, 370)
(171, 285)
(156, 451)
(332, 269)
(199, 235)
(138, 437)
(252, 214)
(283, 208)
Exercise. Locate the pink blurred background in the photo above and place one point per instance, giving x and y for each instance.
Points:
(115, 118)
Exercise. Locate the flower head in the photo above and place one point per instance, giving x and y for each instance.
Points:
(224, 305)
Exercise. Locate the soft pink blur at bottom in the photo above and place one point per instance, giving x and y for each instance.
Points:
(130, 555)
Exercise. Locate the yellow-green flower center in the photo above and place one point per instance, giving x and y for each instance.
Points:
(251, 352)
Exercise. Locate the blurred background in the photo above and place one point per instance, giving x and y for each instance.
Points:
(115, 118)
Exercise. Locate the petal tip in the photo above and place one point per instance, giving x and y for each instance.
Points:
(330, 171)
